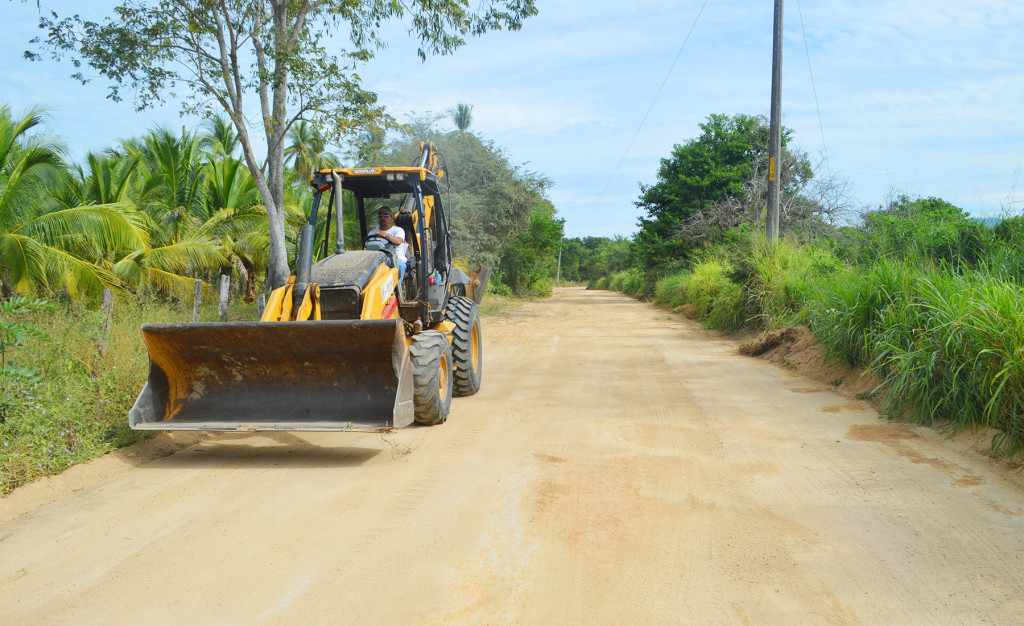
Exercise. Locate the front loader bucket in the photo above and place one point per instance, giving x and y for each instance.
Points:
(313, 375)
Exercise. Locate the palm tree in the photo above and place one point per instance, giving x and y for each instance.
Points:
(308, 151)
(172, 199)
(462, 115)
(44, 246)
(105, 179)
(230, 185)
(220, 139)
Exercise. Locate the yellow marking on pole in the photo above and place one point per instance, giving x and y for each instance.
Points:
(771, 168)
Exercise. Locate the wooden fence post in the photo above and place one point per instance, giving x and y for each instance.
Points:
(222, 306)
(197, 300)
(103, 337)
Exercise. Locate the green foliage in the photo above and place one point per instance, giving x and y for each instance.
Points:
(922, 229)
(671, 290)
(308, 151)
(589, 258)
(14, 333)
(784, 278)
(634, 283)
(528, 260)
(708, 186)
(719, 301)
(462, 115)
(946, 344)
(43, 244)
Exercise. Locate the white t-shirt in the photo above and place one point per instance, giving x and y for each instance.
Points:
(399, 233)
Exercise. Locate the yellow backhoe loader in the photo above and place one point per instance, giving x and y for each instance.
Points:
(346, 344)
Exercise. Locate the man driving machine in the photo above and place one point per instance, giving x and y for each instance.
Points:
(394, 235)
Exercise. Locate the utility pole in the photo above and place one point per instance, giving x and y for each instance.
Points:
(558, 274)
(775, 130)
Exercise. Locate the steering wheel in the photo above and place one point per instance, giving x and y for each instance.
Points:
(371, 236)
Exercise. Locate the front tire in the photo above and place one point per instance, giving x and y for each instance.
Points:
(467, 345)
(431, 357)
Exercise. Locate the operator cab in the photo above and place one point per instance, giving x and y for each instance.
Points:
(422, 214)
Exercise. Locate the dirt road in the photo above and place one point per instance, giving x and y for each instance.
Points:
(620, 466)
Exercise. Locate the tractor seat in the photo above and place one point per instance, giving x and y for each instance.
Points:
(404, 220)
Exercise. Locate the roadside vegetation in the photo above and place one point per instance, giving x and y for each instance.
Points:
(71, 402)
(916, 291)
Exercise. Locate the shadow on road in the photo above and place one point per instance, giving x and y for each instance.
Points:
(235, 450)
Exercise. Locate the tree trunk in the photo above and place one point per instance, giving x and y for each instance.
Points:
(277, 270)
(277, 273)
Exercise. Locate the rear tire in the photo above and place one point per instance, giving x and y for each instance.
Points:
(431, 357)
(467, 345)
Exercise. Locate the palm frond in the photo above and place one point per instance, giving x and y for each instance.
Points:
(79, 276)
(24, 260)
(110, 226)
(186, 255)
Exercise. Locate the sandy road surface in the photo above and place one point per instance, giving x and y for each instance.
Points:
(619, 466)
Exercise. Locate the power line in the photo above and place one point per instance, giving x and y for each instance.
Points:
(649, 109)
(814, 90)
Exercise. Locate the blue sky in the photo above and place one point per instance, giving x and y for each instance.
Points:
(915, 96)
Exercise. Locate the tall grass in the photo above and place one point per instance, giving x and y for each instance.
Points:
(79, 407)
(962, 358)
(720, 302)
(947, 340)
(785, 277)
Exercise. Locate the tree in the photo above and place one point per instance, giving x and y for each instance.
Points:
(528, 260)
(42, 245)
(462, 115)
(222, 51)
(922, 229)
(591, 258)
(196, 213)
(702, 176)
(220, 139)
(308, 151)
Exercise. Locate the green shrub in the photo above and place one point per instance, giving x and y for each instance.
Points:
(728, 310)
(849, 305)
(497, 287)
(955, 353)
(635, 283)
(671, 290)
(617, 280)
(928, 230)
(720, 302)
